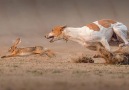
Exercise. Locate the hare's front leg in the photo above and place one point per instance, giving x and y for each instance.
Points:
(8, 56)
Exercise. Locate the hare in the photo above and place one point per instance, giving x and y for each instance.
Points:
(15, 51)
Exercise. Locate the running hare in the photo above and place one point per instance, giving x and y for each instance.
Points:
(15, 51)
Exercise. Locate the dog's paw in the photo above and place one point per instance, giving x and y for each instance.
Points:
(96, 56)
(123, 44)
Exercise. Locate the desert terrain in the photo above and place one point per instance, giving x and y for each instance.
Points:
(31, 20)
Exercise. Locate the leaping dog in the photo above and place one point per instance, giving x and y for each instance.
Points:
(100, 31)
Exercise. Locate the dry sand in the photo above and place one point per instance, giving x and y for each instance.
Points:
(58, 73)
(31, 20)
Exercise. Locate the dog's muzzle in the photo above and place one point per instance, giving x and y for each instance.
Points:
(50, 37)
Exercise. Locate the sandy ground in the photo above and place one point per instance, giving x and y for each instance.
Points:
(59, 73)
(31, 20)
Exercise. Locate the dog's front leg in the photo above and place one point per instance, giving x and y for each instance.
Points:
(105, 43)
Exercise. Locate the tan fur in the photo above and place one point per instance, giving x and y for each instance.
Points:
(27, 51)
(106, 23)
(93, 26)
(57, 30)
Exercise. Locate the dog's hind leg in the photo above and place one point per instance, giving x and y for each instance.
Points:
(121, 31)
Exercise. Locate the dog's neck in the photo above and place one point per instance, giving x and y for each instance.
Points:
(70, 33)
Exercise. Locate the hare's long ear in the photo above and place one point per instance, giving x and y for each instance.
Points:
(18, 40)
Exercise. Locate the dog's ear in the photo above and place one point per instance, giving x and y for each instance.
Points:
(63, 27)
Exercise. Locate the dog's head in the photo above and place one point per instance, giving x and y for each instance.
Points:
(56, 33)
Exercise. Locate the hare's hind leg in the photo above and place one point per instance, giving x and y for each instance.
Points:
(50, 53)
(41, 51)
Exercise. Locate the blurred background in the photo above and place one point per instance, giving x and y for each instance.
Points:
(31, 20)
(35, 18)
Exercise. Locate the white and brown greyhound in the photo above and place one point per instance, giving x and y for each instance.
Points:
(100, 31)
